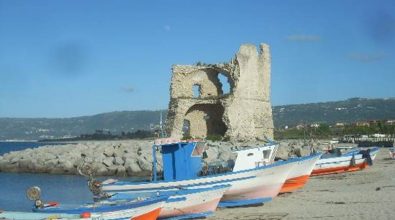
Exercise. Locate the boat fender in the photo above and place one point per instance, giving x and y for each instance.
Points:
(85, 215)
(352, 161)
(51, 204)
(39, 204)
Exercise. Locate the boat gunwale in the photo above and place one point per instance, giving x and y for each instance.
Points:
(102, 207)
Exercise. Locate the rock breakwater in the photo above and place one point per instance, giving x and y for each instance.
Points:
(117, 158)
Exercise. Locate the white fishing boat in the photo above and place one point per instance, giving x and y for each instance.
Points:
(194, 202)
(300, 174)
(353, 160)
(263, 155)
(182, 168)
(140, 209)
(392, 152)
(253, 157)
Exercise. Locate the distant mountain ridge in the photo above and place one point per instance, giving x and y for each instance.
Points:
(44, 128)
(350, 110)
(347, 111)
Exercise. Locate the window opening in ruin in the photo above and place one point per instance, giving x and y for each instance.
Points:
(196, 89)
(186, 128)
(225, 83)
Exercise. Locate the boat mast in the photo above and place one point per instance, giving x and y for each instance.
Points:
(162, 132)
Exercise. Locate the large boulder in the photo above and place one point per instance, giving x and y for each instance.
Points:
(132, 167)
(144, 163)
(108, 162)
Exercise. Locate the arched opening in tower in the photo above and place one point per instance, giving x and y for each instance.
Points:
(206, 120)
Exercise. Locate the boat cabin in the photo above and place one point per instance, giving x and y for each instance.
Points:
(255, 157)
(181, 160)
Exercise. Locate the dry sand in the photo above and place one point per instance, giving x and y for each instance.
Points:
(366, 194)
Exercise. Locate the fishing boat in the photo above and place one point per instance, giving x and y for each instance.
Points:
(187, 203)
(264, 155)
(253, 157)
(337, 162)
(392, 152)
(13, 215)
(137, 209)
(182, 167)
(300, 174)
(144, 213)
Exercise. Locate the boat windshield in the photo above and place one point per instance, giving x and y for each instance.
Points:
(199, 149)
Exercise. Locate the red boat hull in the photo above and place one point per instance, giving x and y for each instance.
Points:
(342, 169)
(152, 215)
(294, 183)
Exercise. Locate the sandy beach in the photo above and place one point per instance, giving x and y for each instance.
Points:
(366, 194)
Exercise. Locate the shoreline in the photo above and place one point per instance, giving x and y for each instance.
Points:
(365, 194)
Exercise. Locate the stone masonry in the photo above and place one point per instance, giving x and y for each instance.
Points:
(199, 107)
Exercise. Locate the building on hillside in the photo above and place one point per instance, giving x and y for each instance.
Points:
(300, 126)
(390, 122)
(362, 124)
(315, 125)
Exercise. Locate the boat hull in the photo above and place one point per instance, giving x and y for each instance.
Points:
(293, 184)
(300, 174)
(142, 214)
(340, 168)
(194, 201)
(392, 152)
(261, 189)
(342, 164)
(193, 204)
(145, 209)
(248, 187)
(150, 215)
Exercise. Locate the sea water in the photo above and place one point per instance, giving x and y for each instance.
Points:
(65, 189)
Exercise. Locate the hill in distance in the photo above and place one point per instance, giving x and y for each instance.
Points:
(347, 111)
(47, 128)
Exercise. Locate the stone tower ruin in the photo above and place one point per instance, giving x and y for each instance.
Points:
(200, 107)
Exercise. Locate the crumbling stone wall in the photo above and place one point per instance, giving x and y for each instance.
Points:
(243, 114)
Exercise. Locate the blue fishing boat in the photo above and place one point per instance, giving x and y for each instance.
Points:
(137, 209)
(183, 203)
(182, 168)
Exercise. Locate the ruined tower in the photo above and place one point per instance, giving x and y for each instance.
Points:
(200, 107)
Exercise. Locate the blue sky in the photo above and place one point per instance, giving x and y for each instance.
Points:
(73, 58)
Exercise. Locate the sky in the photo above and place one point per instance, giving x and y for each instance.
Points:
(69, 58)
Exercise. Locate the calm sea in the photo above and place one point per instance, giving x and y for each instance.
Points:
(6, 147)
(66, 189)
